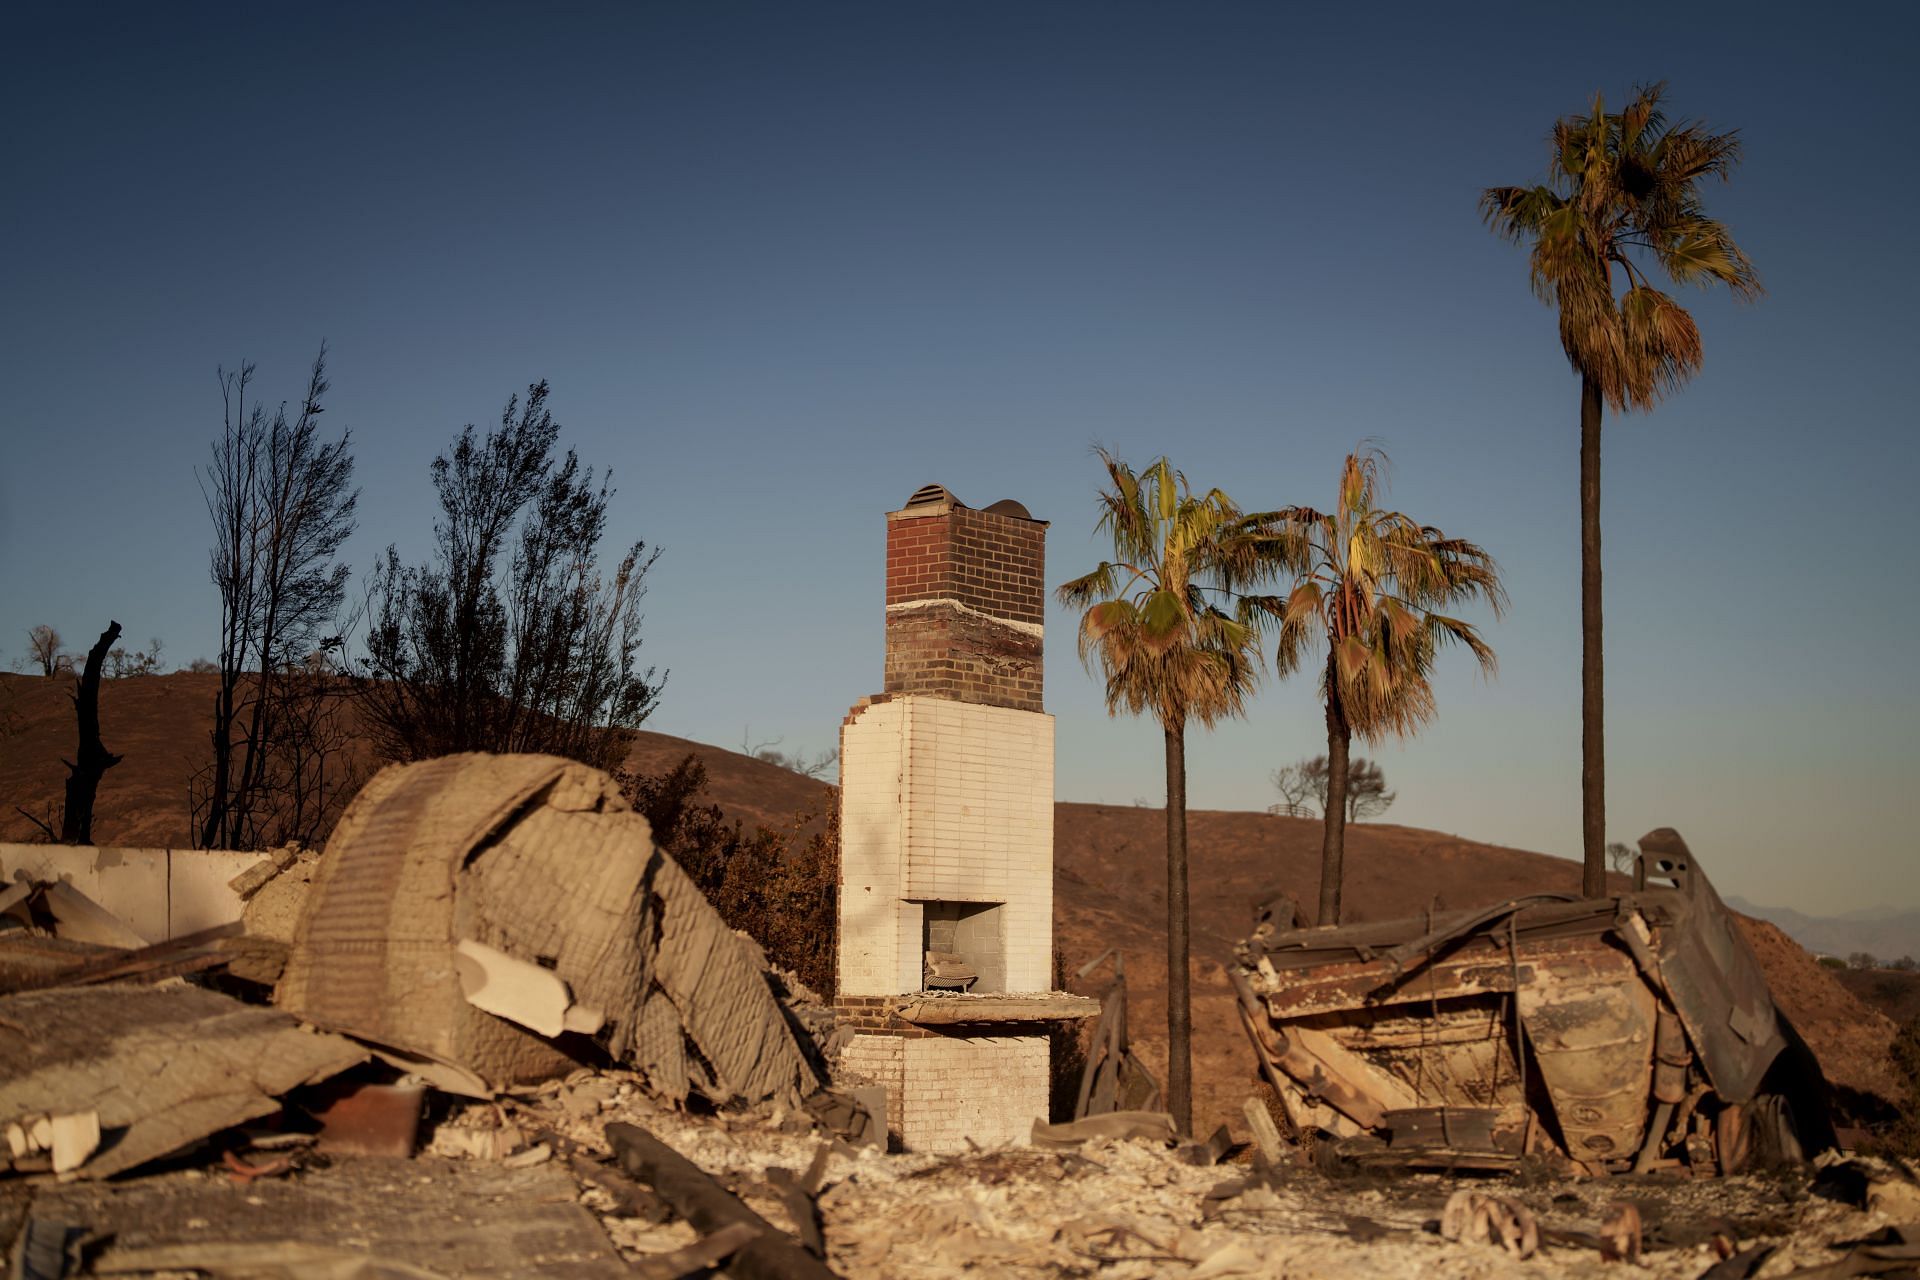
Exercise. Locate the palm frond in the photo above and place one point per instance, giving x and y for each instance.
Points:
(1621, 185)
(1147, 625)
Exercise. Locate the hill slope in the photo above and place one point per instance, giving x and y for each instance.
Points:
(1885, 932)
(1109, 878)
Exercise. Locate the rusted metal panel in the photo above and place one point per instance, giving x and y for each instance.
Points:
(1615, 1030)
(1592, 1035)
(1713, 977)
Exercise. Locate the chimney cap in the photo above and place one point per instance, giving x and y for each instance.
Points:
(933, 495)
(934, 499)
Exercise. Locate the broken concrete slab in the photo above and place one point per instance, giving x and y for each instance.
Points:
(79, 918)
(450, 882)
(361, 1218)
(163, 1067)
(157, 893)
(1113, 1126)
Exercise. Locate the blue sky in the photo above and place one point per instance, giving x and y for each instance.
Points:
(783, 263)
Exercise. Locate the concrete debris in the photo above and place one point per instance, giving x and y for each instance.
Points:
(448, 883)
(255, 877)
(770, 1255)
(857, 1114)
(702, 1255)
(159, 1067)
(1620, 1235)
(273, 907)
(361, 1219)
(1896, 1191)
(1114, 1126)
(486, 925)
(1890, 1251)
(157, 894)
(1124, 1209)
(65, 1141)
(1741, 1265)
(72, 915)
(1266, 1134)
(1627, 1034)
(1474, 1217)
(75, 1137)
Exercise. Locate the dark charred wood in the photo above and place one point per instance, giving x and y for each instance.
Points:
(93, 759)
(699, 1199)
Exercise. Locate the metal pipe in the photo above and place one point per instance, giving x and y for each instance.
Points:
(1650, 1150)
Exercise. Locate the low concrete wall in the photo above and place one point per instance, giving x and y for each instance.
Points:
(158, 893)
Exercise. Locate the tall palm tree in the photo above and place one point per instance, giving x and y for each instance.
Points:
(1166, 650)
(1622, 191)
(1370, 584)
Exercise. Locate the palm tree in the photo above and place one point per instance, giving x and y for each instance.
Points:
(1166, 650)
(1369, 584)
(1621, 190)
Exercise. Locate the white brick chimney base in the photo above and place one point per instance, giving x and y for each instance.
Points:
(943, 1090)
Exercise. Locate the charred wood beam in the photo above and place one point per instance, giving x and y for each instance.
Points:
(93, 759)
(710, 1207)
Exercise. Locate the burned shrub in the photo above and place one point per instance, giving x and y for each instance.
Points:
(777, 886)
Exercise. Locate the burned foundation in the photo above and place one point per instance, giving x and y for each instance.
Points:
(946, 895)
(1624, 1034)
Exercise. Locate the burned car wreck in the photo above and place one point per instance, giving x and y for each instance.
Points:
(1623, 1034)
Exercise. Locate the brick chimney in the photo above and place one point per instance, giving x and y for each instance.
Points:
(966, 597)
(945, 957)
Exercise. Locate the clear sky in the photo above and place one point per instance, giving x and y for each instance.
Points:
(784, 263)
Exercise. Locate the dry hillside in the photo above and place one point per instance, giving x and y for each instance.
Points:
(1109, 878)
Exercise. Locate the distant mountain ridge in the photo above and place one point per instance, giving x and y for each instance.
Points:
(1886, 933)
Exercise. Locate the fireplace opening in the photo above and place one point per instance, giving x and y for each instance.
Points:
(964, 945)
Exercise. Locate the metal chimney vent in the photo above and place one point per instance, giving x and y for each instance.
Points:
(928, 495)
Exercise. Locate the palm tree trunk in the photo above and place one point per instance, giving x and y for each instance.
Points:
(1593, 738)
(1179, 1008)
(1333, 846)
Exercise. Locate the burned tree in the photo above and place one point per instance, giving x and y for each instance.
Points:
(539, 654)
(282, 504)
(1304, 784)
(92, 760)
(43, 648)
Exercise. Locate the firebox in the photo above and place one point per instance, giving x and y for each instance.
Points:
(965, 946)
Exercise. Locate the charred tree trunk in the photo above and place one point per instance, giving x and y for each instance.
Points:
(213, 826)
(1179, 1008)
(93, 759)
(1593, 738)
(1333, 844)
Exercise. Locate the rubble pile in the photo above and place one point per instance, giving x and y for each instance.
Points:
(1621, 1034)
(493, 1031)
(474, 911)
(1129, 1208)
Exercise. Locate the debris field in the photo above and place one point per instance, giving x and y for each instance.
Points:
(493, 1031)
